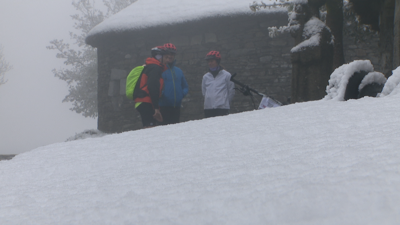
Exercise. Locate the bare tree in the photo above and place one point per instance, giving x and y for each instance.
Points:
(80, 72)
(4, 67)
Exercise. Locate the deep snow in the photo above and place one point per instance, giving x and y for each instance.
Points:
(320, 162)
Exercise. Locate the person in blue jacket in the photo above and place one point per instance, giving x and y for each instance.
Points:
(175, 88)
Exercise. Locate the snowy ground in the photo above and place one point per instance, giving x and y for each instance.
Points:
(321, 162)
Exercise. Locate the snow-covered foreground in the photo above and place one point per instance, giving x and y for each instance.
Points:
(321, 162)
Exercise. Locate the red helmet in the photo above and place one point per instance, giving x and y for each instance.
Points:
(159, 50)
(213, 55)
(170, 48)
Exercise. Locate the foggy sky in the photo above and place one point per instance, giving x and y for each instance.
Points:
(31, 110)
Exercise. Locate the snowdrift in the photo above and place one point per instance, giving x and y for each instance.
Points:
(358, 79)
(320, 162)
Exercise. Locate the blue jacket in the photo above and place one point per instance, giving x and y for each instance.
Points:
(175, 87)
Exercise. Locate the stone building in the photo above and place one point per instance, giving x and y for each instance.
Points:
(240, 35)
(124, 42)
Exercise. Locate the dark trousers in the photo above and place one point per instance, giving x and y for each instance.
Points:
(215, 112)
(170, 114)
(146, 113)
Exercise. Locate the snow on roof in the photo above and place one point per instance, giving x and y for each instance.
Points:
(148, 13)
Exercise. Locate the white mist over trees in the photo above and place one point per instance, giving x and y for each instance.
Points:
(80, 59)
(4, 67)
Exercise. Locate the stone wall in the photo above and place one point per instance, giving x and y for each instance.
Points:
(259, 61)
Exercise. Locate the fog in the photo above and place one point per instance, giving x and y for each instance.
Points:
(31, 110)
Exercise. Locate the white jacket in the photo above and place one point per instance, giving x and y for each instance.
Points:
(218, 92)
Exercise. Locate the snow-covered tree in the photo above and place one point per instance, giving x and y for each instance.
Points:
(312, 55)
(80, 59)
(331, 12)
(339, 16)
(4, 67)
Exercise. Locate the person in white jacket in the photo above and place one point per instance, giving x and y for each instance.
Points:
(217, 87)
